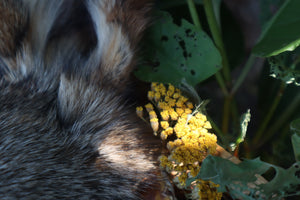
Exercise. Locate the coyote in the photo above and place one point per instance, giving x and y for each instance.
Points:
(68, 128)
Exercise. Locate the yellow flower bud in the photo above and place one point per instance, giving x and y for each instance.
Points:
(139, 111)
(176, 95)
(152, 114)
(171, 88)
(189, 105)
(183, 99)
(164, 115)
(169, 130)
(163, 135)
(149, 107)
(150, 95)
(162, 105)
(188, 111)
(154, 124)
(179, 111)
(162, 89)
(172, 102)
(180, 104)
(157, 96)
(164, 124)
(207, 125)
(173, 114)
(153, 86)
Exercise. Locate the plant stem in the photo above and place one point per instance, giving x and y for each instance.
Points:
(243, 74)
(214, 126)
(216, 33)
(194, 13)
(283, 118)
(196, 21)
(261, 130)
(221, 83)
(226, 114)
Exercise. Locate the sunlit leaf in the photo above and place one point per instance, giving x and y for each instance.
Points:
(282, 32)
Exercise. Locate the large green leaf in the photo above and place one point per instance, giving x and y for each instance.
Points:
(237, 177)
(176, 52)
(283, 31)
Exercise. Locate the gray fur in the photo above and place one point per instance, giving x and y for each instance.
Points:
(67, 129)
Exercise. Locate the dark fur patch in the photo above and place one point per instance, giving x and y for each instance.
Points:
(68, 128)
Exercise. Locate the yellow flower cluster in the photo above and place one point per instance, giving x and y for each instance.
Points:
(207, 190)
(171, 113)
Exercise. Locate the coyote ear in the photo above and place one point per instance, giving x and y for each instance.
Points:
(13, 22)
(42, 15)
(24, 29)
(117, 33)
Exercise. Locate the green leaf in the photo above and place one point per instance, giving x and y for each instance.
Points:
(245, 119)
(178, 52)
(283, 66)
(296, 146)
(283, 31)
(237, 177)
(267, 9)
(217, 10)
(295, 127)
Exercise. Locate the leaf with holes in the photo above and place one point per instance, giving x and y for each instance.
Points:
(285, 67)
(240, 178)
(176, 52)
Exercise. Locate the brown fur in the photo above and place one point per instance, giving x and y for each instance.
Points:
(68, 124)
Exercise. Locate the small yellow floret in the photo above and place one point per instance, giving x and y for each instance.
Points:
(176, 95)
(150, 95)
(157, 96)
(163, 105)
(139, 111)
(154, 124)
(189, 105)
(164, 124)
(180, 104)
(153, 86)
(169, 130)
(149, 107)
(164, 115)
(188, 111)
(152, 114)
(207, 125)
(173, 114)
(179, 111)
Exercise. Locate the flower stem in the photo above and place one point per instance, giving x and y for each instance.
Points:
(216, 34)
(194, 13)
(261, 130)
